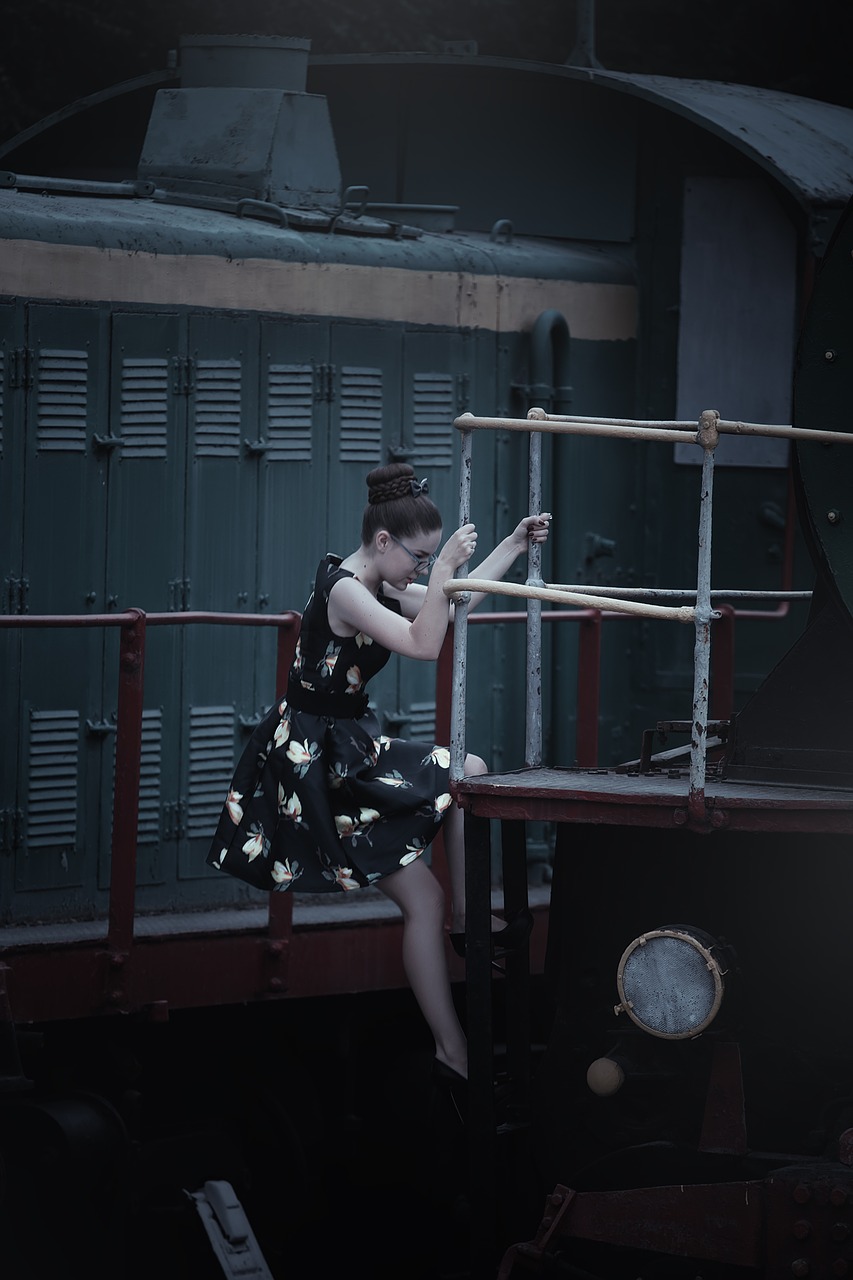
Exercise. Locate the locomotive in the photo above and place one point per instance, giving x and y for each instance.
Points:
(292, 270)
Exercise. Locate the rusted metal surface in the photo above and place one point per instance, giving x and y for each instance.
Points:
(797, 1221)
(250, 957)
(654, 800)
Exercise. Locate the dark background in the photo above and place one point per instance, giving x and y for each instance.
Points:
(54, 51)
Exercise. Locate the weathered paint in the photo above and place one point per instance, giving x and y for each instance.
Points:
(596, 311)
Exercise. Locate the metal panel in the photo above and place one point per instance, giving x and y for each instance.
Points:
(64, 538)
(364, 421)
(145, 450)
(11, 578)
(738, 300)
(293, 479)
(435, 390)
(220, 560)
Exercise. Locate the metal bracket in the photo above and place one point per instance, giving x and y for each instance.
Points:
(255, 448)
(229, 1232)
(100, 728)
(107, 443)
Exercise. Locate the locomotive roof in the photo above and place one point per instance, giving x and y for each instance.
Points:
(804, 144)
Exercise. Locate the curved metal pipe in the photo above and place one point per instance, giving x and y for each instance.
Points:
(549, 362)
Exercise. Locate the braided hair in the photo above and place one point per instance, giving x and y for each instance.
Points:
(398, 502)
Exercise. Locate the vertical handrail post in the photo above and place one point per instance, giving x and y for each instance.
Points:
(708, 437)
(533, 708)
(460, 624)
(128, 761)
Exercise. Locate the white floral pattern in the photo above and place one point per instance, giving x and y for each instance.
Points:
(328, 803)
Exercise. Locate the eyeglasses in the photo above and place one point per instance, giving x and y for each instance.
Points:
(421, 565)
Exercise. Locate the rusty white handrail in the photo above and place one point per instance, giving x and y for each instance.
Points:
(609, 594)
(638, 429)
(701, 614)
(706, 434)
(563, 595)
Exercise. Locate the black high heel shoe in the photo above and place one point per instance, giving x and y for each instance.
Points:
(454, 1085)
(510, 938)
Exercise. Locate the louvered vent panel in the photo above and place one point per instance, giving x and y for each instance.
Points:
(211, 767)
(434, 412)
(217, 408)
(290, 412)
(150, 776)
(421, 722)
(62, 400)
(2, 402)
(52, 785)
(144, 407)
(361, 415)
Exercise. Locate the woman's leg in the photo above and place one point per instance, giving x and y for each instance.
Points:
(420, 897)
(454, 846)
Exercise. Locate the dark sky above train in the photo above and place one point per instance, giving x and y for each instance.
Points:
(54, 51)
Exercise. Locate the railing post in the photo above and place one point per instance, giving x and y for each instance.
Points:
(709, 437)
(533, 709)
(126, 801)
(460, 627)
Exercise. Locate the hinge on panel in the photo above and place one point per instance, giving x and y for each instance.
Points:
(324, 385)
(174, 820)
(15, 592)
(11, 829)
(21, 368)
(183, 375)
(179, 595)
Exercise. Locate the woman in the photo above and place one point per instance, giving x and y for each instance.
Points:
(322, 800)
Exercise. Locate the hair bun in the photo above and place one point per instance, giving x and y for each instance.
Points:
(399, 487)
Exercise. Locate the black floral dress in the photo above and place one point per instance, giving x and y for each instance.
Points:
(321, 800)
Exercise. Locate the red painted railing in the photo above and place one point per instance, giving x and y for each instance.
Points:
(134, 624)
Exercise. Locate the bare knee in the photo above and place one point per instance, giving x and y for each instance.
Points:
(474, 765)
(416, 892)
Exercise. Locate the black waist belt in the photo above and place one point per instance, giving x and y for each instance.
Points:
(343, 706)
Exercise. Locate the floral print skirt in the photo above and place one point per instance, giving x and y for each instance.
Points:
(320, 804)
